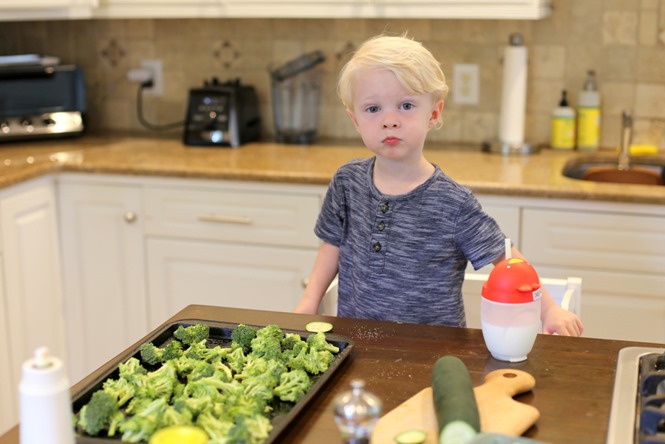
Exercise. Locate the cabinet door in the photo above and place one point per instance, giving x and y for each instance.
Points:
(8, 405)
(618, 305)
(102, 243)
(184, 272)
(33, 296)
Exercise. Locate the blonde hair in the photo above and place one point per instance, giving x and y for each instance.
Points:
(413, 65)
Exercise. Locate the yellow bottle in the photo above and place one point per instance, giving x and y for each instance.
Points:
(563, 125)
(588, 115)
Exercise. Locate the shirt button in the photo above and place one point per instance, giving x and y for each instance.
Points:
(381, 226)
(377, 247)
(384, 207)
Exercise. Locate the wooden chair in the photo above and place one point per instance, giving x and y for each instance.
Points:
(566, 292)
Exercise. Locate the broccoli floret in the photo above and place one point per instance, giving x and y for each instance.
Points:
(222, 372)
(254, 365)
(202, 369)
(241, 337)
(293, 385)
(138, 429)
(259, 427)
(173, 417)
(267, 347)
(318, 342)
(290, 339)
(217, 429)
(158, 384)
(172, 351)
(96, 415)
(296, 357)
(151, 354)
(272, 331)
(192, 334)
(131, 369)
(200, 351)
(121, 389)
(145, 421)
(236, 360)
(117, 419)
(259, 387)
(193, 405)
(318, 361)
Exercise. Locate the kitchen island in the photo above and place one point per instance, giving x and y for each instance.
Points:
(574, 376)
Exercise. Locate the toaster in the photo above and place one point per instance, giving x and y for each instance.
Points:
(222, 114)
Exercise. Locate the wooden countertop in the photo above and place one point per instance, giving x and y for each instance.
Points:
(538, 175)
(574, 376)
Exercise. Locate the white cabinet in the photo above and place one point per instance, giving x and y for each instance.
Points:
(236, 244)
(449, 9)
(46, 9)
(32, 312)
(183, 272)
(103, 261)
(618, 251)
(8, 406)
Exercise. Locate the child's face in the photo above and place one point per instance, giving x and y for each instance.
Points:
(392, 121)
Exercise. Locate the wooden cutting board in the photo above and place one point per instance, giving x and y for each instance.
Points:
(499, 412)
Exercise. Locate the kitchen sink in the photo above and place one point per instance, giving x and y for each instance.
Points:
(645, 170)
(637, 415)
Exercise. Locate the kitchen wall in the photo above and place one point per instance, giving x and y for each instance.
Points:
(623, 40)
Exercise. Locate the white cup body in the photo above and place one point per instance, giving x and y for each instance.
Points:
(45, 405)
(509, 330)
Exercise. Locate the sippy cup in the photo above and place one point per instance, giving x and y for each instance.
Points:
(510, 310)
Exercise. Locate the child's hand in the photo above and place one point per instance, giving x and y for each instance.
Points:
(562, 322)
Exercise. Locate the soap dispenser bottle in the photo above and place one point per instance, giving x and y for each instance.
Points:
(563, 125)
(588, 115)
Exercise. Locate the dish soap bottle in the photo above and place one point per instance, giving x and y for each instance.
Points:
(588, 115)
(563, 125)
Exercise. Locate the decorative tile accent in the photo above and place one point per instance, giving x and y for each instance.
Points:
(227, 54)
(113, 53)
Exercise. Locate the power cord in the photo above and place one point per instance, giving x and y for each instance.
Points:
(141, 117)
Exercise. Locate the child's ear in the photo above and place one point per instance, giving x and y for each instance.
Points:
(353, 118)
(435, 117)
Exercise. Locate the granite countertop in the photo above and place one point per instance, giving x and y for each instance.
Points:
(537, 175)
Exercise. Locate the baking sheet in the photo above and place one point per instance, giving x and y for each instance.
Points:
(220, 334)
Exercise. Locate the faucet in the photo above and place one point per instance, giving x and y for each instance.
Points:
(626, 138)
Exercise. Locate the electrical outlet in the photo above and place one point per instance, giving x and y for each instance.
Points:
(155, 67)
(466, 87)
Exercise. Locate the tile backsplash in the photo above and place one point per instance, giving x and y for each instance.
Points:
(622, 40)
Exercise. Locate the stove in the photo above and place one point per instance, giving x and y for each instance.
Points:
(638, 400)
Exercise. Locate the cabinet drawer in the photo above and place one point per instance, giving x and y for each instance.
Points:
(594, 240)
(256, 217)
(623, 306)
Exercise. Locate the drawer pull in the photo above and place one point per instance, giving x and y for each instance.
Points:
(130, 217)
(240, 220)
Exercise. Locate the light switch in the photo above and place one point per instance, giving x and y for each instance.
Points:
(466, 86)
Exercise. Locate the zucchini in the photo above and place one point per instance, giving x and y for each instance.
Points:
(454, 401)
(319, 326)
(414, 436)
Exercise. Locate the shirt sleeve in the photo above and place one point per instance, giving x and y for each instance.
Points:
(331, 223)
(479, 235)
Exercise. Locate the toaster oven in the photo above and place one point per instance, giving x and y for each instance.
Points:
(38, 102)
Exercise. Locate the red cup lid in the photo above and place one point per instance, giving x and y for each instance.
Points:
(512, 281)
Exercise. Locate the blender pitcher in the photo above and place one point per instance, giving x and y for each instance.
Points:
(296, 90)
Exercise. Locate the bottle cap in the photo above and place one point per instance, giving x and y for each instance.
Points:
(512, 281)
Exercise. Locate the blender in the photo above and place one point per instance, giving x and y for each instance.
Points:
(296, 92)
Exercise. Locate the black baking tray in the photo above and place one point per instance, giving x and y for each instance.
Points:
(220, 334)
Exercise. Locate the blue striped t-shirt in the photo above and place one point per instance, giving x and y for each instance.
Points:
(402, 258)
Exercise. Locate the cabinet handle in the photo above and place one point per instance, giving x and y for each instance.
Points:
(221, 219)
(130, 217)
